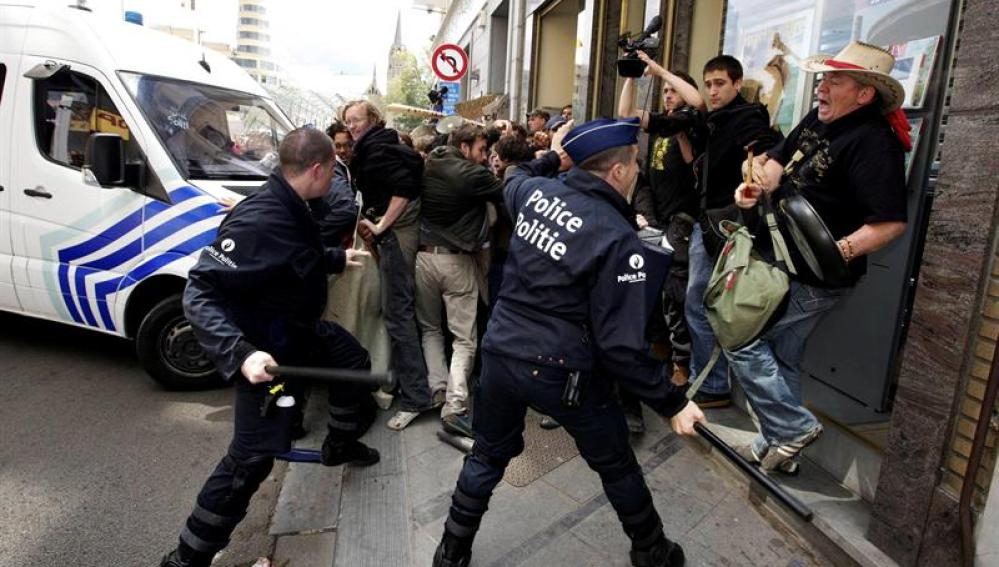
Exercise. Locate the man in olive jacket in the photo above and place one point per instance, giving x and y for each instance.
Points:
(454, 225)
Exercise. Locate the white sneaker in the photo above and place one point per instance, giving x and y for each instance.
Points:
(401, 420)
(780, 455)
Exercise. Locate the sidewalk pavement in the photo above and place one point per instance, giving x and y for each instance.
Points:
(393, 512)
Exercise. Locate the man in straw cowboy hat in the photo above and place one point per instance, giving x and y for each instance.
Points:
(846, 159)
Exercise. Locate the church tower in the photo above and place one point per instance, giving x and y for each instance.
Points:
(395, 65)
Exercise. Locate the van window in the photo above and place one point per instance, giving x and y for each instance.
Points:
(3, 78)
(69, 107)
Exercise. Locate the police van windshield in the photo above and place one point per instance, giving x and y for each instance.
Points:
(210, 132)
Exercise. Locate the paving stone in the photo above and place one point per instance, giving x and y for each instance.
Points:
(691, 474)
(374, 528)
(515, 516)
(569, 550)
(433, 472)
(309, 500)
(736, 531)
(421, 435)
(576, 480)
(305, 550)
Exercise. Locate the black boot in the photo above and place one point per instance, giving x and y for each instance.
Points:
(184, 556)
(663, 553)
(353, 452)
(453, 551)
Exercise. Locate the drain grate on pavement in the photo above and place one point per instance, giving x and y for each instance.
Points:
(544, 451)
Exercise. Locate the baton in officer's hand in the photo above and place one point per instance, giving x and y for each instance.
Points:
(333, 375)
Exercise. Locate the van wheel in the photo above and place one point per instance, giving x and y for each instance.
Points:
(169, 351)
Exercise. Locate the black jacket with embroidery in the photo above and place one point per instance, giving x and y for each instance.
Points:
(578, 285)
(261, 285)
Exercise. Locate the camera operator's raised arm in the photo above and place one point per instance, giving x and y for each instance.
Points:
(626, 106)
(689, 93)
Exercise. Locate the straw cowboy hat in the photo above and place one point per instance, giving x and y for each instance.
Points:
(868, 64)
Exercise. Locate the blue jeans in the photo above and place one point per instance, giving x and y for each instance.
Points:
(769, 368)
(702, 338)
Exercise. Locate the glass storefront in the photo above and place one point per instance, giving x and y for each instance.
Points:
(770, 37)
(852, 357)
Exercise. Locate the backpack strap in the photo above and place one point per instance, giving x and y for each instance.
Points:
(781, 253)
(696, 384)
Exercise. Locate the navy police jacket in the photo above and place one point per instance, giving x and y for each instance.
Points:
(574, 292)
(261, 285)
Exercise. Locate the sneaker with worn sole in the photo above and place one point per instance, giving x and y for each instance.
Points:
(781, 452)
(705, 400)
(790, 467)
(437, 399)
(458, 424)
(401, 420)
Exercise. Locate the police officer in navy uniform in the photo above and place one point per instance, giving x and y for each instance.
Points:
(572, 310)
(254, 298)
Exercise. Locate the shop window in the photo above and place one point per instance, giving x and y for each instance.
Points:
(68, 108)
(768, 38)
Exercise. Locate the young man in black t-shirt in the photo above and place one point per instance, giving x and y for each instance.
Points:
(846, 159)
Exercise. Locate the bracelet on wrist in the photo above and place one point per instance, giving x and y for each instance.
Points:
(846, 249)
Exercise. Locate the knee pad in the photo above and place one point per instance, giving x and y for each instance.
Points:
(247, 474)
(619, 469)
(490, 460)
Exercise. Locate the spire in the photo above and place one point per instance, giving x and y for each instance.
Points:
(397, 44)
(373, 87)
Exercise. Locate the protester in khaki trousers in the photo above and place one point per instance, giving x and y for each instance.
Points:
(454, 225)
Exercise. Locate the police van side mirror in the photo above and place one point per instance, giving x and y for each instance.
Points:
(104, 160)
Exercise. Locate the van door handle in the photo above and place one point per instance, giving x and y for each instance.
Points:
(38, 192)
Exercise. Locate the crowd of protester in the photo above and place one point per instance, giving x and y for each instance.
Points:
(456, 239)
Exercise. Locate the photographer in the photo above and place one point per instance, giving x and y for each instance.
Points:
(671, 200)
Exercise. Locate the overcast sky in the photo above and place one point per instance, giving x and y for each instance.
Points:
(328, 45)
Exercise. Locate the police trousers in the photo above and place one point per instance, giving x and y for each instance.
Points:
(506, 389)
(257, 439)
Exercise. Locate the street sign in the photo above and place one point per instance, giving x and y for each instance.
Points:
(452, 97)
(449, 62)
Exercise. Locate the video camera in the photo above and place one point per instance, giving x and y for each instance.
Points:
(436, 97)
(629, 65)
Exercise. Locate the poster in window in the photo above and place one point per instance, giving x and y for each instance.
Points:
(914, 61)
(769, 52)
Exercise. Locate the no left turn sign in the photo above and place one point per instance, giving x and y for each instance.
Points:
(449, 62)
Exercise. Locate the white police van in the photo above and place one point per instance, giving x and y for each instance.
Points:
(117, 144)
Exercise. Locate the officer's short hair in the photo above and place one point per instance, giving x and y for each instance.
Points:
(466, 134)
(302, 148)
(603, 161)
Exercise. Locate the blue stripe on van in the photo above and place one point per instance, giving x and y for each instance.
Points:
(145, 269)
(84, 314)
(133, 249)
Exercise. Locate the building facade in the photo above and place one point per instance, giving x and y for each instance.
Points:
(253, 43)
(900, 373)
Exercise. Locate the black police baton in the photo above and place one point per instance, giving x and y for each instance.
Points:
(333, 375)
(796, 506)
